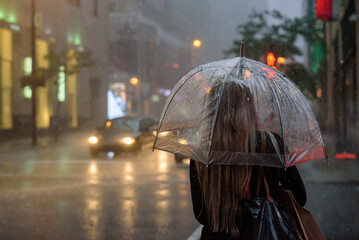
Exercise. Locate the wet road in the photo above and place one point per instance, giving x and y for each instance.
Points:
(59, 192)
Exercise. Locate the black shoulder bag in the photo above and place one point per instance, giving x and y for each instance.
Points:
(265, 219)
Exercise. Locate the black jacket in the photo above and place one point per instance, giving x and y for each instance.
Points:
(288, 178)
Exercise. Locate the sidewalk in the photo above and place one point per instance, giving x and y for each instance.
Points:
(330, 170)
(46, 141)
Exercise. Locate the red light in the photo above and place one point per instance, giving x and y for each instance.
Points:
(271, 59)
(324, 9)
(345, 155)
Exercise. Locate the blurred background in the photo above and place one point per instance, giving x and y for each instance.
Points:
(70, 67)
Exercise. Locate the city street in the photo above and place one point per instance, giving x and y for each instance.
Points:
(60, 192)
(57, 191)
(216, 81)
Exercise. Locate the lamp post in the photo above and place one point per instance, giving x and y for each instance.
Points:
(137, 93)
(134, 81)
(197, 43)
(33, 74)
(194, 43)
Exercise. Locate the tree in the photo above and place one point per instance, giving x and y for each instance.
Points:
(81, 59)
(70, 62)
(279, 37)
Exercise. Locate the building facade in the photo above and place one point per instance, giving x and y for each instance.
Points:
(67, 27)
(152, 42)
(340, 89)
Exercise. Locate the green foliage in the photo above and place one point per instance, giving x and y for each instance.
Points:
(279, 37)
(81, 59)
(259, 35)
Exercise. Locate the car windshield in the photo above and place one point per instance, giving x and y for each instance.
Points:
(123, 125)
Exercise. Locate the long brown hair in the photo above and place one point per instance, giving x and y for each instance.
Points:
(235, 130)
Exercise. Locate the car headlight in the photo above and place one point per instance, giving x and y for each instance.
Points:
(127, 140)
(93, 139)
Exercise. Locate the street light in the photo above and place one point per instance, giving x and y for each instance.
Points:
(134, 81)
(192, 44)
(137, 90)
(197, 43)
(281, 60)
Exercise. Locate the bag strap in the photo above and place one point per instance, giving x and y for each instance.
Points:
(261, 170)
(274, 142)
(259, 181)
(267, 189)
(276, 147)
(260, 176)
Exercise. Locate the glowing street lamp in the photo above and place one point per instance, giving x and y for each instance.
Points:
(137, 98)
(271, 59)
(281, 60)
(134, 81)
(197, 43)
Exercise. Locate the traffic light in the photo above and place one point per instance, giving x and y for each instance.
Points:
(271, 60)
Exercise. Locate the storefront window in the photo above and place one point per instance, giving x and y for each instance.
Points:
(6, 52)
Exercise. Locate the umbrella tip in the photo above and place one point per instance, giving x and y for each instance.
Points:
(242, 49)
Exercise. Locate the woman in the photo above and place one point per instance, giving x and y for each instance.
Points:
(215, 188)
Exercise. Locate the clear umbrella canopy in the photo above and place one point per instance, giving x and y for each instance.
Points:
(189, 117)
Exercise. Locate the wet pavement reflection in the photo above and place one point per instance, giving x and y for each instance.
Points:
(66, 194)
(60, 192)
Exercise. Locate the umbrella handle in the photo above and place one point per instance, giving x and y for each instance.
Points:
(241, 54)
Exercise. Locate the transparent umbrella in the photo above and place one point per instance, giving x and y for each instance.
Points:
(188, 118)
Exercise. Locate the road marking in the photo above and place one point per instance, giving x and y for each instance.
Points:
(196, 235)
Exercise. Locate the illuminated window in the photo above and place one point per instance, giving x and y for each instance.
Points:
(6, 59)
(42, 93)
(77, 39)
(27, 91)
(61, 92)
(72, 81)
(2, 13)
(11, 17)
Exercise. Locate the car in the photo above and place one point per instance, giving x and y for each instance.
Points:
(124, 134)
(179, 158)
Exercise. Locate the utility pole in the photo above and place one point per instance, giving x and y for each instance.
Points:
(357, 60)
(33, 74)
(330, 61)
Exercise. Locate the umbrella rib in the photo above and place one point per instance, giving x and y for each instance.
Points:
(280, 117)
(169, 103)
(220, 100)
